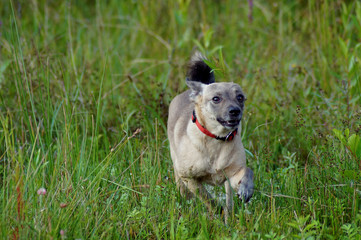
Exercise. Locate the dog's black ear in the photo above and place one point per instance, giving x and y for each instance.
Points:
(199, 71)
(196, 88)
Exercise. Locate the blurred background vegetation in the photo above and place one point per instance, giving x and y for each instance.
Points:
(78, 78)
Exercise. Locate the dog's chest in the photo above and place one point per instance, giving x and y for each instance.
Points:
(215, 161)
(214, 179)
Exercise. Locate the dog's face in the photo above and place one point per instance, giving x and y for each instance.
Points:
(220, 103)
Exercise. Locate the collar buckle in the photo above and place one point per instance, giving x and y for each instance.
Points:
(231, 135)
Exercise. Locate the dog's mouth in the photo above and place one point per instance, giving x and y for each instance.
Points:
(230, 123)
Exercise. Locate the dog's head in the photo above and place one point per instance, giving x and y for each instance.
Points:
(218, 103)
(219, 106)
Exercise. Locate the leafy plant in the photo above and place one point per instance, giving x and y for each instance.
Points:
(352, 143)
(307, 229)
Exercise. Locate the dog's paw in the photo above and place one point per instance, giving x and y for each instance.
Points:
(245, 189)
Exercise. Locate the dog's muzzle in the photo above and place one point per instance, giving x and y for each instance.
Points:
(233, 119)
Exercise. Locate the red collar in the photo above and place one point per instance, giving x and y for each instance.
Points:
(227, 138)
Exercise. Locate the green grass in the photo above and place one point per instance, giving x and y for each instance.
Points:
(78, 78)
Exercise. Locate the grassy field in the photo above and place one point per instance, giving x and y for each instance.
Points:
(84, 94)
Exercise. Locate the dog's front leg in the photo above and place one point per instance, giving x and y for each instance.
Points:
(199, 190)
(229, 200)
(245, 188)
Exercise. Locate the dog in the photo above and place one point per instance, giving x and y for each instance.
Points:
(205, 143)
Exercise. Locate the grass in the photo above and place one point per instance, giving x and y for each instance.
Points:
(84, 92)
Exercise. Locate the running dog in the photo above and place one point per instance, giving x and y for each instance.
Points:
(205, 143)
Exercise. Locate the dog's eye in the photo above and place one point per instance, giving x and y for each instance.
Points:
(240, 97)
(216, 99)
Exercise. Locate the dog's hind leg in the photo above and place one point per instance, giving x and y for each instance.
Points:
(199, 190)
(182, 187)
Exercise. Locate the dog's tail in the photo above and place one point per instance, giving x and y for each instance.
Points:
(199, 71)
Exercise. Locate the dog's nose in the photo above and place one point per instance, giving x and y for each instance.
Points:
(234, 111)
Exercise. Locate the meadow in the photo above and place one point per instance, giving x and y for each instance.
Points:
(84, 94)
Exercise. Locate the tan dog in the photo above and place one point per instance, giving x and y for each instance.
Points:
(205, 143)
